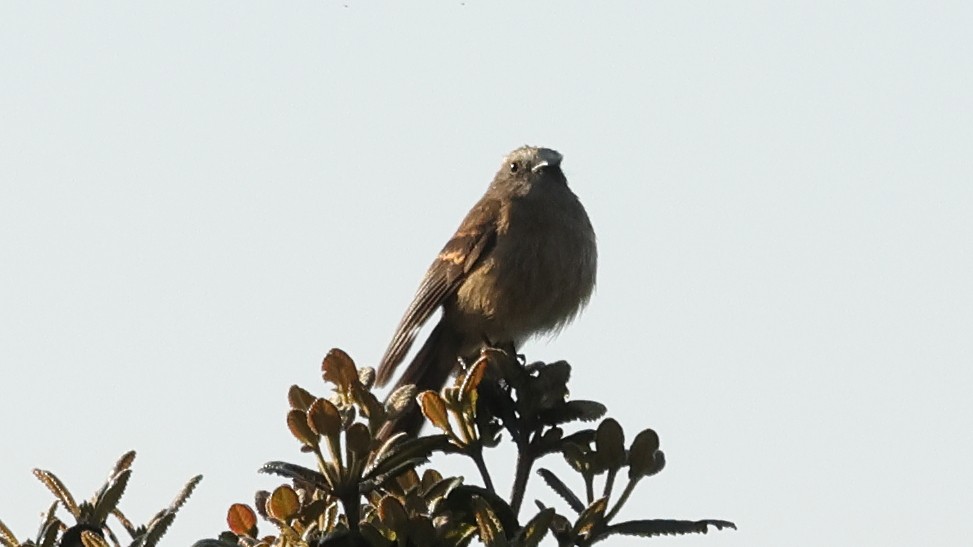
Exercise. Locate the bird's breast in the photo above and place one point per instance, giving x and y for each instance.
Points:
(540, 273)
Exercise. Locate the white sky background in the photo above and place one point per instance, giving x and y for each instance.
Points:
(198, 201)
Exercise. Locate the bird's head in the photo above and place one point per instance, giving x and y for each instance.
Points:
(528, 168)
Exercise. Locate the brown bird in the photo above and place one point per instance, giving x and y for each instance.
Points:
(523, 262)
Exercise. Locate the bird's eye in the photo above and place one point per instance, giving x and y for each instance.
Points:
(514, 167)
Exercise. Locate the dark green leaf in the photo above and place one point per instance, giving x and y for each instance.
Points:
(561, 489)
(536, 528)
(650, 528)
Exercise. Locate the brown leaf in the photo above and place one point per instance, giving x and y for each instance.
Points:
(357, 440)
(299, 398)
(339, 369)
(283, 503)
(430, 477)
(60, 491)
(392, 514)
(241, 519)
(323, 418)
(400, 399)
(366, 375)
(434, 408)
(297, 423)
(472, 380)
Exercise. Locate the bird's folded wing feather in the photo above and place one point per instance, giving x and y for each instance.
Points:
(472, 242)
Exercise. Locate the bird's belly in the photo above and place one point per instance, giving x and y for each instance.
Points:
(539, 287)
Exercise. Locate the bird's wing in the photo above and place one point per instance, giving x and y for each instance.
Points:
(472, 242)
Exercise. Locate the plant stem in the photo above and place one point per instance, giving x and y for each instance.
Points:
(525, 460)
(629, 488)
(477, 455)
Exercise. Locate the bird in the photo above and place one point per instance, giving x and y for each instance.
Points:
(523, 262)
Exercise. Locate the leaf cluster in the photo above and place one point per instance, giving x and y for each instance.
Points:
(365, 490)
(90, 528)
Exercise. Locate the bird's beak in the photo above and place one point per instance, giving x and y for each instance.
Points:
(547, 157)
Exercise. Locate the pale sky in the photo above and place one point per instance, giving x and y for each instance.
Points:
(200, 199)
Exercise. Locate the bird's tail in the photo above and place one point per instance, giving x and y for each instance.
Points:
(429, 369)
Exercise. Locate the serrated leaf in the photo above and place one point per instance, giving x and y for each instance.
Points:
(260, 499)
(586, 411)
(299, 398)
(7, 537)
(610, 444)
(241, 520)
(591, 519)
(107, 498)
(127, 524)
(49, 531)
(471, 381)
(331, 516)
(297, 423)
(462, 499)
(157, 528)
(183, 495)
(430, 477)
(660, 527)
(434, 409)
(214, 543)
(561, 489)
(366, 375)
(491, 531)
(399, 400)
(283, 503)
(394, 456)
(124, 462)
(60, 491)
(298, 472)
(434, 493)
(536, 528)
(91, 539)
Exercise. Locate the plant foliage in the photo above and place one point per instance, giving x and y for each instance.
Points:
(364, 489)
(90, 518)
